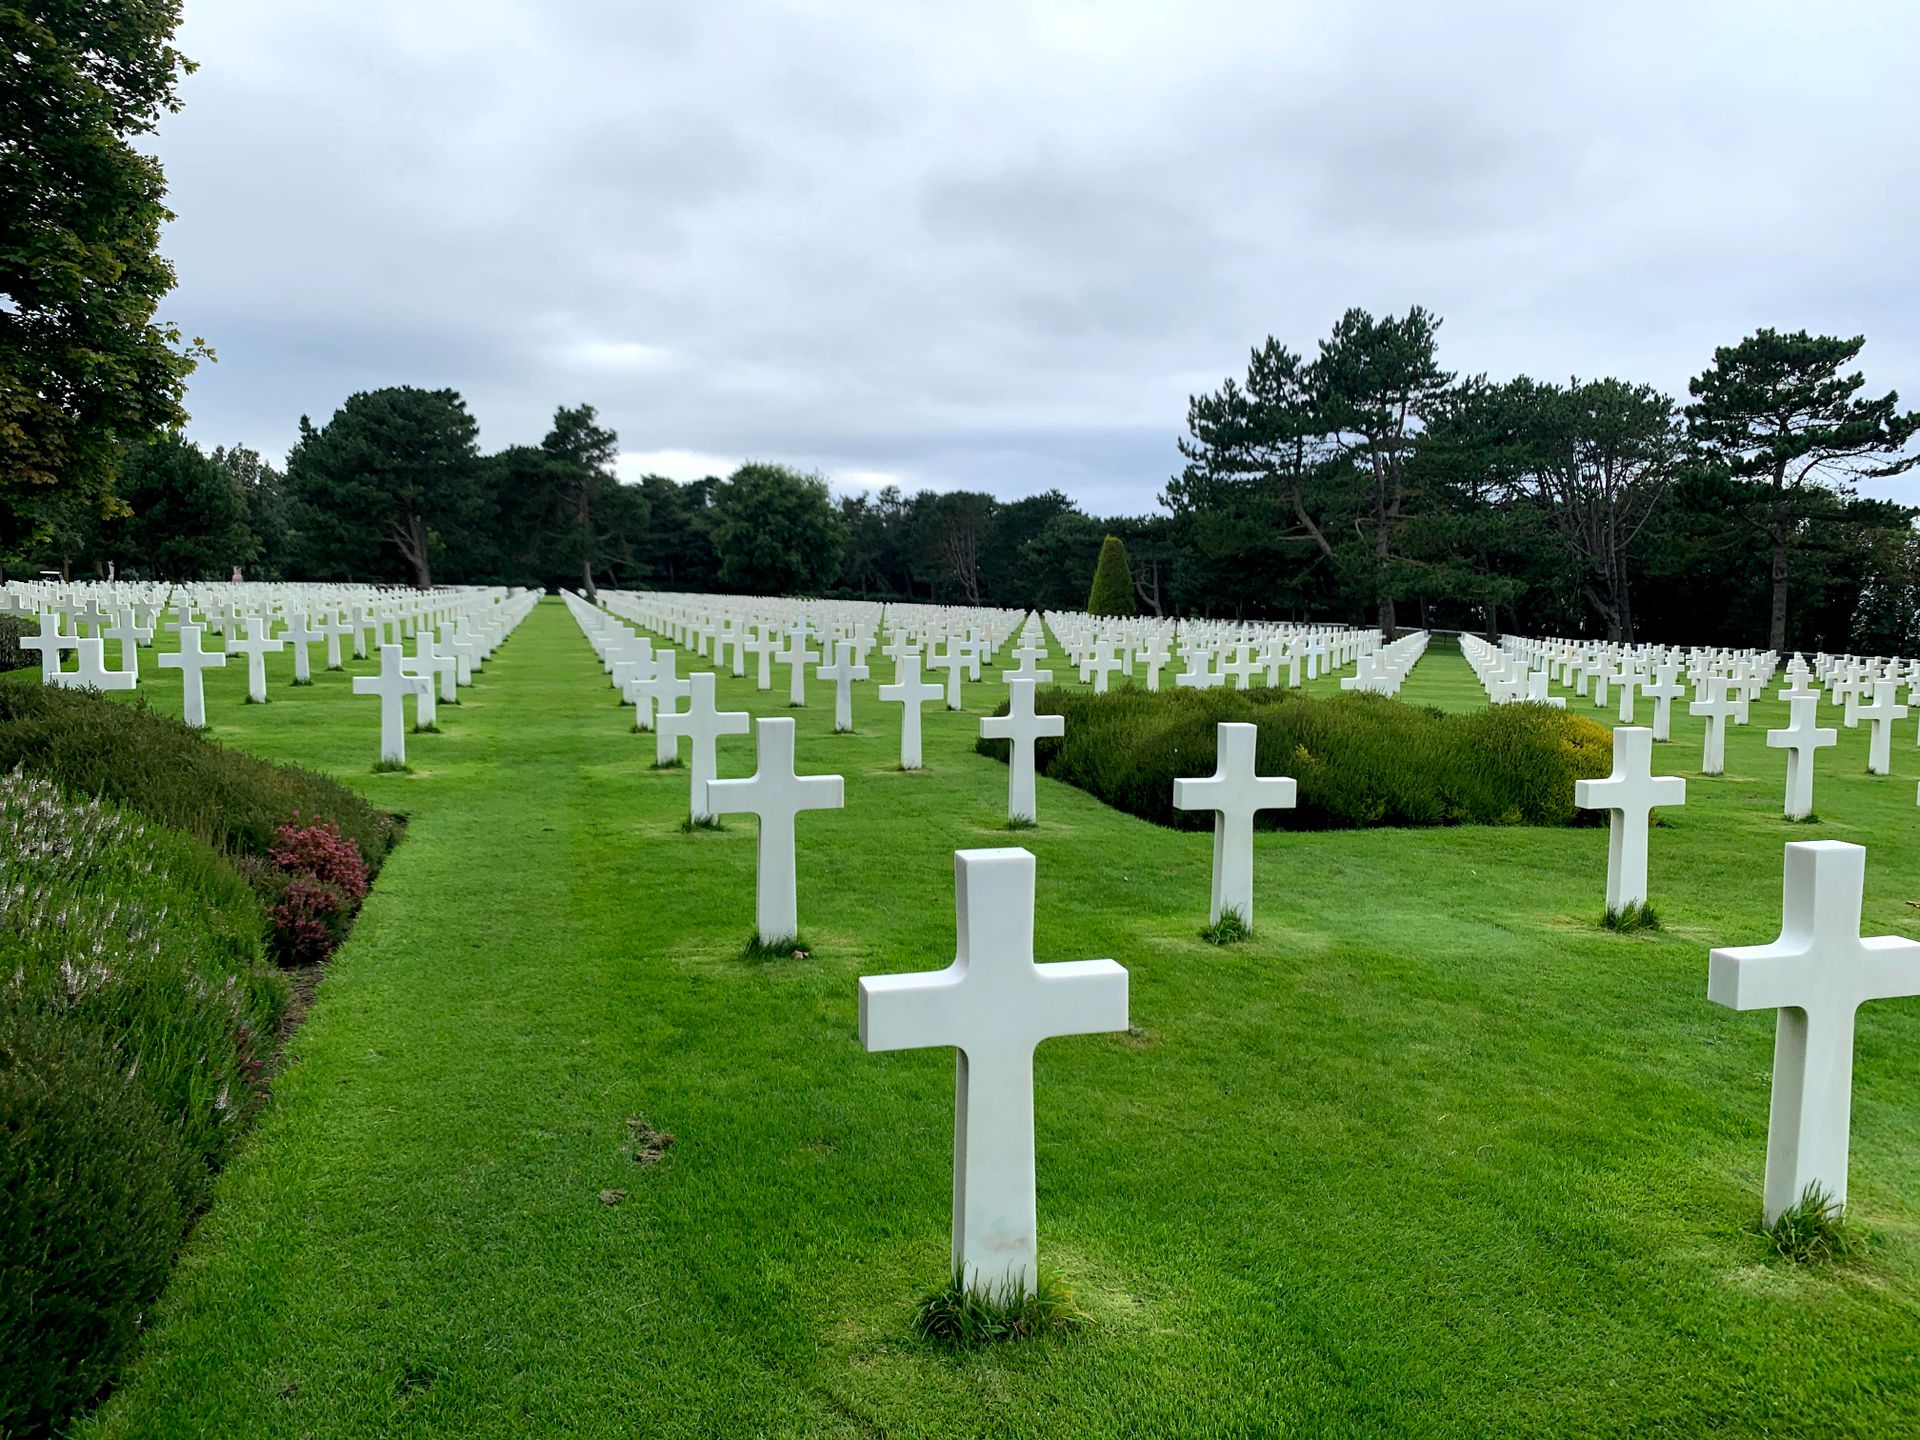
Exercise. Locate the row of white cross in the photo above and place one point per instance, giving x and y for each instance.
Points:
(475, 622)
(994, 1004)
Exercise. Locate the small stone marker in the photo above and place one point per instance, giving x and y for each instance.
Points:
(1235, 794)
(995, 1006)
(1631, 793)
(775, 794)
(703, 723)
(1800, 739)
(190, 660)
(1817, 974)
(910, 691)
(1020, 727)
(393, 684)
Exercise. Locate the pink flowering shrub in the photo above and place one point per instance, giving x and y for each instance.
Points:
(322, 880)
(320, 850)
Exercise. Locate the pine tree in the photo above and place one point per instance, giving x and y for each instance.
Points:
(1112, 580)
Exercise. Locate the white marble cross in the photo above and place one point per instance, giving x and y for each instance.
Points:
(843, 672)
(764, 646)
(1882, 712)
(1717, 708)
(1101, 665)
(1199, 674)
(1242, 667)
(1027, 652)
(1630, 681)
(51, 643)
(911, 692)
(131, 635)
(1235, 793)
(300, 635)
(664, 689)
(1020, 727)
(775, 793)
(703, 723)
(1800, 739)
(1537, 692)
(994, 1005)
(190, 660)
(1631, 794)
(1665, 689)
(955, 664)
(433, 668)
(393, 684)
(332, 627)
(796, 657)
(256, 647)
(92, 672)
(1156, 656)
(1817, 974)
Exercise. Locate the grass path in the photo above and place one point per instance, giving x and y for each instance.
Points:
(1432, 1155)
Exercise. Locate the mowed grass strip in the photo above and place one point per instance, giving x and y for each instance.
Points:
(1431, 1154)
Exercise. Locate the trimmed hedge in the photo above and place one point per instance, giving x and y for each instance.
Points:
(174, 776)
(1359, 759)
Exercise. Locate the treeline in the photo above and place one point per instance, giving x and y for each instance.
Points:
(1365, 483)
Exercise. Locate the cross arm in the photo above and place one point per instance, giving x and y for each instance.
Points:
(1758, 977)
(909, 1012)
(1089, 996)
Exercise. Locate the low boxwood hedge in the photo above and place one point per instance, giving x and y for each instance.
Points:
(1359, 759)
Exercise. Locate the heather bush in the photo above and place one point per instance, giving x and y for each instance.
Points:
(136, 1020)
(144, 938)
(321, 880)
(127, 753)
(93, 1187)
(1359, 759)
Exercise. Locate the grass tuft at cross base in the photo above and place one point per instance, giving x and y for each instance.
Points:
(1638, 916)
(963, 1317)
(1230, 929)
(1814, 1230)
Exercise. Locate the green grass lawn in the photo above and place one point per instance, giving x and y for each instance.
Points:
(1432, 1155)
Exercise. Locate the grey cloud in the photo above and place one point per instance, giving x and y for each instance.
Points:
(999, 245)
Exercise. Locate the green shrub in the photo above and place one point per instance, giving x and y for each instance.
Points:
(1359, 759)
(92, 1208)
(12, 630)
(174, 776)
(145, 939)
(1112, 592)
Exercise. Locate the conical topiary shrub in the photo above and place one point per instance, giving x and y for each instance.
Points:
(1112, 580)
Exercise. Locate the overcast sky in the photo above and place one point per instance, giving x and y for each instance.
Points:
(997, 245)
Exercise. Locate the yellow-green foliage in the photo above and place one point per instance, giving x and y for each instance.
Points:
(1359, 759)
